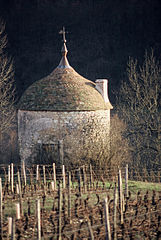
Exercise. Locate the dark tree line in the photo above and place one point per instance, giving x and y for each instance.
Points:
(102, 35)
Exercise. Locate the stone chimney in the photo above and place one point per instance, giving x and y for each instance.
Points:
(102, 87)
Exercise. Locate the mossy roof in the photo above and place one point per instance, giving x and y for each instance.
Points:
(63, 90)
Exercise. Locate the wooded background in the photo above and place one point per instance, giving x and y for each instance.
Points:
(102, 34)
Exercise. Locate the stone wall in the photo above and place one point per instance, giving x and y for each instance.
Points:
(84, 134)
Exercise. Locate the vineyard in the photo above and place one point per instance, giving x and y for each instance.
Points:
(45, 202)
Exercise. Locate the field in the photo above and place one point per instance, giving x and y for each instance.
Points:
(48, 203)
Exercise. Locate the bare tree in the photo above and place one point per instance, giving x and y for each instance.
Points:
(7, 89)
(139, 105)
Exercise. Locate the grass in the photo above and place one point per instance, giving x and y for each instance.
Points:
(135, 186)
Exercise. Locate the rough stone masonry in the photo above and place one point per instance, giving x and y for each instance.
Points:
(83, 133)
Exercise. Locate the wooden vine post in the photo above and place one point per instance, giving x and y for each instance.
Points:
(13, 229)
(9, 226)
(69, 196)
(60, 212)
(24, 173)
(91, 176)
(37, 177)
(12, 178)
(38, 219)
(120, 191)
(63, 176)
(54, 175)
(126, 181)
(18, 211)
(84, 179)
(52, 186)
(44, 177)
(9, 177)
(79, 182)
(114, 214)
(107, 221)
(37, 173)
(20, 193)
(1, 214)
(17, 189)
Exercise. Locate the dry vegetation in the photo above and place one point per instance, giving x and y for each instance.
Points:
(7, 98)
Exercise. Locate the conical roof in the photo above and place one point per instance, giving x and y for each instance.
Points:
(63, 90)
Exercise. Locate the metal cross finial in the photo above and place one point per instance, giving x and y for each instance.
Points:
(64, 62)
(63, 33)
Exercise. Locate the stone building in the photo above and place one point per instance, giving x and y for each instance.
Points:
(64, 113)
